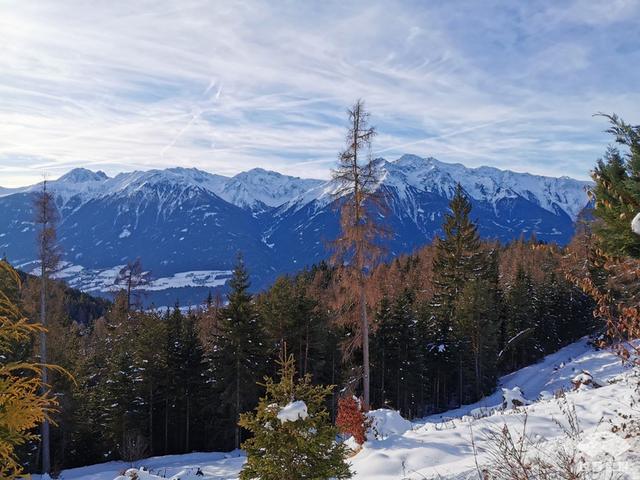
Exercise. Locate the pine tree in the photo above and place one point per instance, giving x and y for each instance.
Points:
(459, 256)
(476, 330)
(291, 319)
(24, 404)
(521, 323)
(292, 449)
(396, 366)
(459, 259)
(617, 191)
(240, 356)
(191, 377)
(152, 358)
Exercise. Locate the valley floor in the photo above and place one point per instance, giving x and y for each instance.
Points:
(441, 446)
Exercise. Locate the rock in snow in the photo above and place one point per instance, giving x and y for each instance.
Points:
(293, 411)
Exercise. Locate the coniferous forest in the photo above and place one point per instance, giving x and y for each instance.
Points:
(445, 322)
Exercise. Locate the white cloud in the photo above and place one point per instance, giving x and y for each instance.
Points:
(227, 86)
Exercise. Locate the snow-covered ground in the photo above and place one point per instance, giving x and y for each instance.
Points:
(102, 280)
(441, 446)
(214, 465)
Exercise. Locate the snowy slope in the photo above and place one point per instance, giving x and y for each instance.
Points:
(440, 446)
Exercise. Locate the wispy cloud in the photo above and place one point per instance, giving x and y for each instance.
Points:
(227, 86)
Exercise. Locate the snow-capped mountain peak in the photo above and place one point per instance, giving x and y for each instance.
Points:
(184, 220)
(410, 175)
(257, 188)
(82, 175)
(487, 184)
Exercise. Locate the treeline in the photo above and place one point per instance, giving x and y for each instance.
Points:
(445, 323)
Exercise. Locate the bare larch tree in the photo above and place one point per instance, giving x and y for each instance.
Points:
(132, 277)
(46, 218)
(359, 198)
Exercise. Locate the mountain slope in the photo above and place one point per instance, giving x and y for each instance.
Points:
(441, 447)
(184, 220)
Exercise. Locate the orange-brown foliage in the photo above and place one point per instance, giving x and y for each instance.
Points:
(351, 419)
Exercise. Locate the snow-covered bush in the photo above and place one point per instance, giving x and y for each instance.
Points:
(482, 412)
(512, 398)
(635, 224)
(385, 422)
(584, 380)
(193, 473)
(292, 435)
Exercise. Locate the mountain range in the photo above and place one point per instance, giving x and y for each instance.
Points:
(187, 225)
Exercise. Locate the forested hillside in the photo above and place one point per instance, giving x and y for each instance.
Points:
(174, 381)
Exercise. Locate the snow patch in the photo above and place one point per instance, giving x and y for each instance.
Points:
(635, 224)
(293, 411)
(386, 422)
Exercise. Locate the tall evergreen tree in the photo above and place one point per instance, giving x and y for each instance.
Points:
(476, 329)
(239, 357)
(521, 323)
(459, 259)
(617, 191)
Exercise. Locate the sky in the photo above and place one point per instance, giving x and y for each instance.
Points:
(229, 86)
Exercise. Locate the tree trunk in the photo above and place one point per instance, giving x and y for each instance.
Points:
(365, 346)
(333, 382)
(237, 427)
(44, 430)
(306, 351)
(186, 437)
(151, 418)
(459, 379)
(166, 425)
(383, 363)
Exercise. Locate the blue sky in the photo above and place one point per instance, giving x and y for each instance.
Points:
(228, 86)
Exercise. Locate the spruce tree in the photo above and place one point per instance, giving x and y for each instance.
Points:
(459, 259)
(291, 319)
(396, 361)
(476, 330)
(287, 448)
(521, 323)
(240, 356)
(617, 191)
